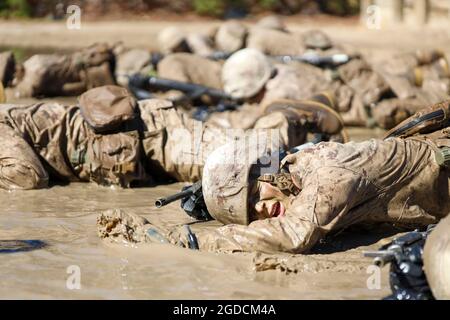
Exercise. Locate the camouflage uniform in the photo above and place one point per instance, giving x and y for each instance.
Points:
(390, 91)
(276, 43)
(51, 141)
(58, 75)
(131, 61)
(173, 39)
(187, 67)
(397, 180)
(357, 88)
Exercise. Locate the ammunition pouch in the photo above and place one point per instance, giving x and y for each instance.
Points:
(106, 108)
(113, 159)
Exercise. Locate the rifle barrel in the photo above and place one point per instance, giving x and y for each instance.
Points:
(317, 60)
(161, 202)
(381, 257)
(167, 84)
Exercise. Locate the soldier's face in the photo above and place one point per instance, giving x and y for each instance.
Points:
(267, 201)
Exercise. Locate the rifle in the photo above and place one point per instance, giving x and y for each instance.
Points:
(334, 60)
(316, 60)
(192, 90)
(141, 86)
(192, 201)
(406, 275)
(135, 84)
(311, 58)
(156, 57)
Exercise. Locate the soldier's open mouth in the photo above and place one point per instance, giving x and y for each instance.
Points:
(277, 210)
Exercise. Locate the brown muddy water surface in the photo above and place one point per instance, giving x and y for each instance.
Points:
(64, 219)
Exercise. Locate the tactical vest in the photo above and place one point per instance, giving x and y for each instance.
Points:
(109, 159)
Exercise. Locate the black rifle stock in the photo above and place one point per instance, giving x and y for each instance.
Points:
(192, 90)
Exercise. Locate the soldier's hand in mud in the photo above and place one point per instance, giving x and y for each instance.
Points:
(118, 225)
(184, 237)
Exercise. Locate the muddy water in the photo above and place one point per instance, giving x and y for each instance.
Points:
(63, 218)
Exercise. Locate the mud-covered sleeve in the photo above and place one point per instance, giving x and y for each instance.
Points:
(323, 205)
(286, 234)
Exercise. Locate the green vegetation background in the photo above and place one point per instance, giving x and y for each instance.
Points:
(216, 8)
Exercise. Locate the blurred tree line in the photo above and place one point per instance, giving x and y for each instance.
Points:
(15, 8)
(216, 8)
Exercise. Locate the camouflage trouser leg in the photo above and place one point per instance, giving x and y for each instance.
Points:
(178, 145)
(20, 167)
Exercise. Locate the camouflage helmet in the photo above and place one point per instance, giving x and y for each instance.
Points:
(271, 22)
(230, 171)
(230, 36)
(317, 39)
(245, 73)
(437, 260)
(170, 38)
